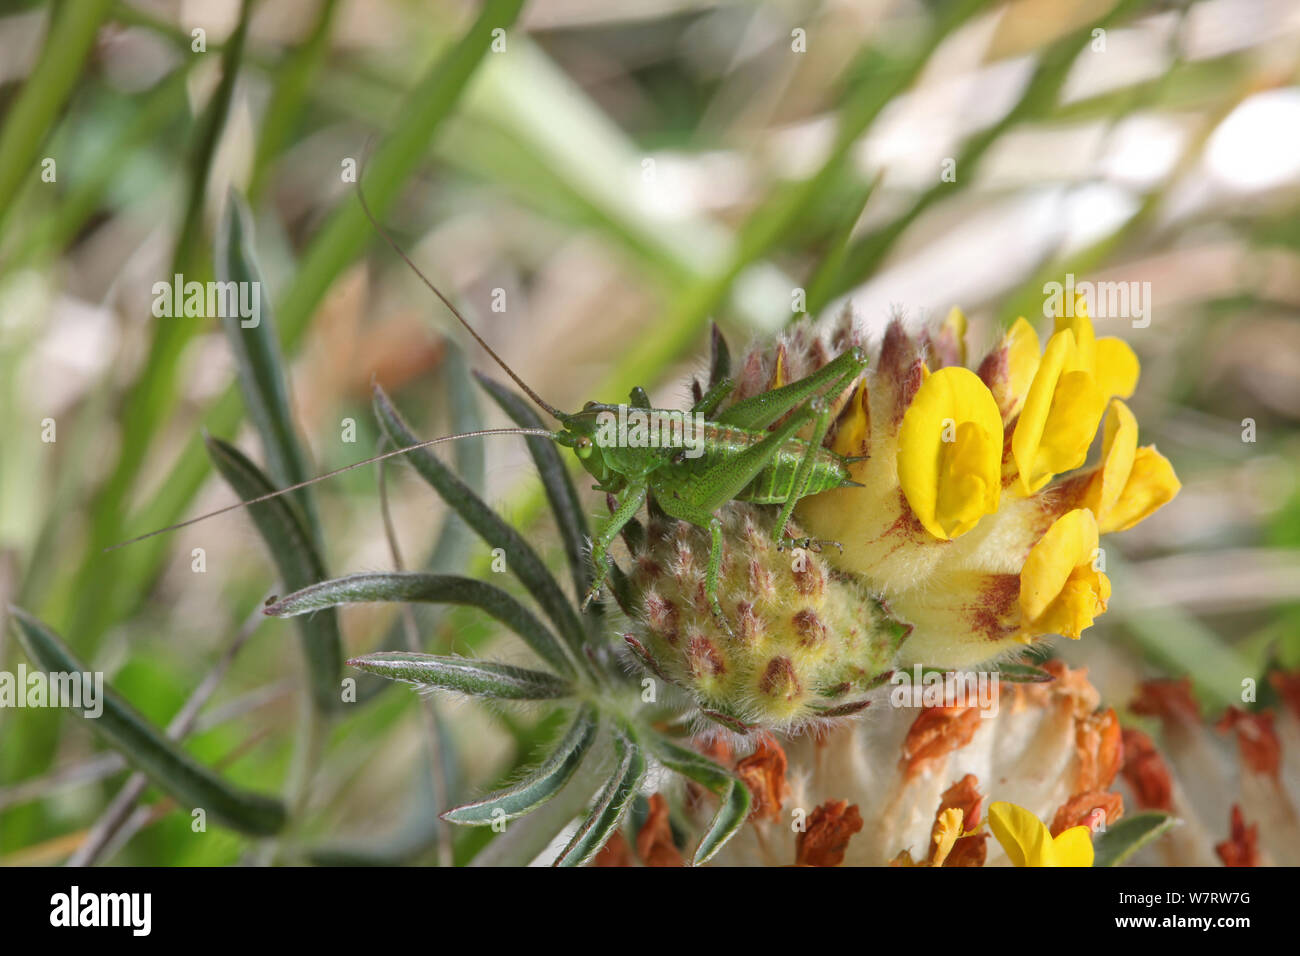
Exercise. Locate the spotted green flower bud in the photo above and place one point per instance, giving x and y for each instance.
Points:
(800, 642)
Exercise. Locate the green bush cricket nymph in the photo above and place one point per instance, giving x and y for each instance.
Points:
(746, 452)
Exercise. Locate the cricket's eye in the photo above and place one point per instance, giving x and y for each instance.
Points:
(583, 447)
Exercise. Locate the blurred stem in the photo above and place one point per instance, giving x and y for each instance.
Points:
(148, 400)
(72, 31)
(293, 78)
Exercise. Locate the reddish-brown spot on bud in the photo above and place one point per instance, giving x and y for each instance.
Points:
(761, 584)
(763, 772)
(748, 626)
(1256, 739)
(825, 841)
(779, 679)
(662, 617)
(809, 627)
(1242, 846)
(703, 658)
(809, 580)
(1146, 772)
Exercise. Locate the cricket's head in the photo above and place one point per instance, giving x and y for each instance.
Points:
(581, 431)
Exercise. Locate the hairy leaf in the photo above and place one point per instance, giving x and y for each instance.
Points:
(476, 678)
(440, 588)
(611, 803)
(540, 785)
(147, 748)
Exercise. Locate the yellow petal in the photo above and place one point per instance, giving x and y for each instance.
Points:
(1022, 835)
(1073, 847)
(949, 452)
(1082, 600)
(1058, 587)
(1116, 367)
(946, 832)
(1059, 418)
(1085, 339)
(1151, 484)
(1118, 446)
(854, 430)
(1023, 350)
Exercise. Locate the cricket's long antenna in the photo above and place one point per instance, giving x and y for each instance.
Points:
(330, 474)
(550, 409)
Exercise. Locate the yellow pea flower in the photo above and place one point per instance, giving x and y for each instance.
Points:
(950, 452)
(1132, 482)
(1060, 415)
(1028, 842)
(1060, 591)
(1110, 360)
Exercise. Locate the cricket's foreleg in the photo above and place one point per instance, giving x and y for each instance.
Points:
(762, 410)
(629, 503)
(821, 408)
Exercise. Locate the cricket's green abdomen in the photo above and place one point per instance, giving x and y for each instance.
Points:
(774, 484)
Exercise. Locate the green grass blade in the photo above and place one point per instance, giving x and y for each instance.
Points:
(540, 785)
(560, 492)
(347, 232)
(611, 804)
(295, 555)
(258, 360)
(522, 560)
(130, 733)
(1123, 839)
(433, 588)
(293, 79)
(475, 678)
(73, 28)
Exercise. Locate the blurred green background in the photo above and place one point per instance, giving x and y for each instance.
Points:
(615, 174)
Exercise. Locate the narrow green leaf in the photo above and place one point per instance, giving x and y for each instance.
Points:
(1123, 839)
(346, 233)
(163, 762)
(520, 556)
(734, 795)
(729, 818)
(561, 494)
(292, 549)
(433, 588)
(293, 79)
(540, 785)
(719, 357)
(611, 803)
(476, 678)
(39, 101)
(1023, 674)
(256, 349)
